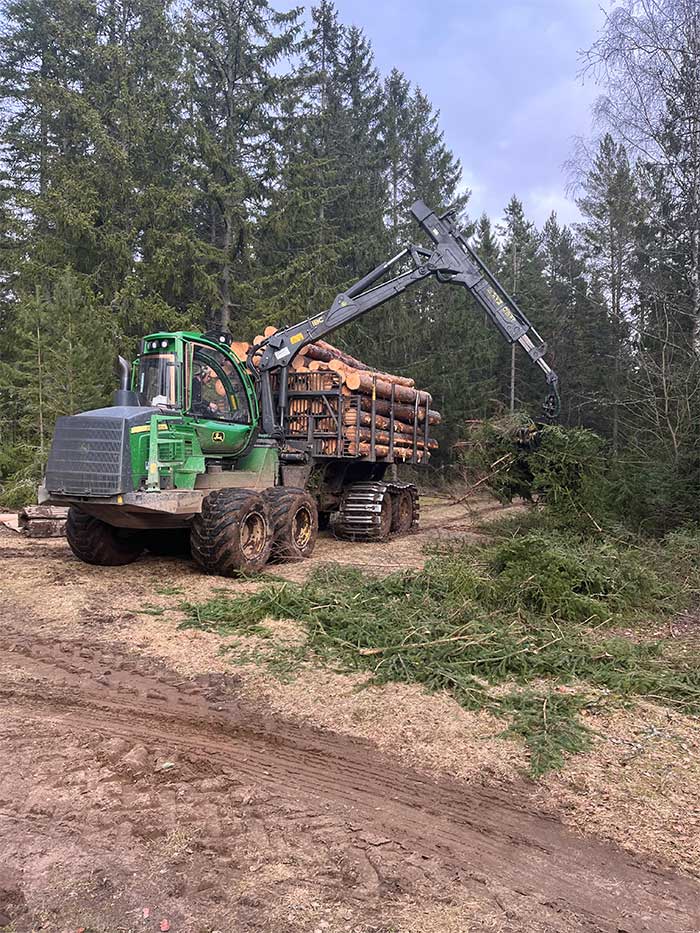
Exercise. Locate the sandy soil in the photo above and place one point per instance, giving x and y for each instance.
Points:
(144, 779)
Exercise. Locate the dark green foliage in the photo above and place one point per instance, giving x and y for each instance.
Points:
(62, 363)
(654, 495)
(576, 474)
(236, 77)
(20, 468)
(325, 214)
(612, 212)
(568, 471)
(549, 724)
(564, 468)
(523, 612)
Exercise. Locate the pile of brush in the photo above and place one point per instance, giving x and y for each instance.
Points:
(321, 367)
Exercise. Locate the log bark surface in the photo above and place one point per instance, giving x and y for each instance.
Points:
(341, 355)
(314, 352)
(403, 412)
(357, 380)
(339, 367)
(350, 418)
(382, 437)
(43, 521)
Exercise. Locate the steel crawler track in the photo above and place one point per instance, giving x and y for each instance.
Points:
(360, 513)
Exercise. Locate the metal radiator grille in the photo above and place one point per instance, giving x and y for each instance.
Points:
(89, 456)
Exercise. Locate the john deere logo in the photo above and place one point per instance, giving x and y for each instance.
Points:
(218, 437)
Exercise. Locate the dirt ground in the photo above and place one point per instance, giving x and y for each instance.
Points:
(148, 784)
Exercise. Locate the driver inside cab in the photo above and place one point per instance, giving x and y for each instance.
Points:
(206, 394)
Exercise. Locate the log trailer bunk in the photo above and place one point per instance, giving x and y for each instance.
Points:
(241, 482)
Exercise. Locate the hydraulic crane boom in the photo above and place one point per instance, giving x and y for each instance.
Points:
(451, 261)
(500, 307)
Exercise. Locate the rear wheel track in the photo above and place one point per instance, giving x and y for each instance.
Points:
(483, 837)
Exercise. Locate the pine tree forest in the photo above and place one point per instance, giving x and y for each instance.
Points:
(201, 165)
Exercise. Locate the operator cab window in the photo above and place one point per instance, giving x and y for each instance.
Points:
(157, 379)
(217, 388)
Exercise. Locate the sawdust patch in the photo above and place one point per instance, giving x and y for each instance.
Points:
(638, 786)
(464, 916)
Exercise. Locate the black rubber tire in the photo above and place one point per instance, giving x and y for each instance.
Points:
(96, 542)
(232, 534)
(172, 542)
(402, 512)
(294, 519)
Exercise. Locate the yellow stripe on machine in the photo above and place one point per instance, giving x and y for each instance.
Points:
(142, 428)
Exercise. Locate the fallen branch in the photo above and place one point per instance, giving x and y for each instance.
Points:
(426, 644)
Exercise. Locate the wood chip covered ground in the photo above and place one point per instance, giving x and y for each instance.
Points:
(145, 779)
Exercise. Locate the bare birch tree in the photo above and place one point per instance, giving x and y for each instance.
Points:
(648, 59)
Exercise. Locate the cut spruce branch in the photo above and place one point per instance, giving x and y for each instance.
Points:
(468, 640)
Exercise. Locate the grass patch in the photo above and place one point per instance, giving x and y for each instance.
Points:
(169, 590)
(530, 615)
(148, 609)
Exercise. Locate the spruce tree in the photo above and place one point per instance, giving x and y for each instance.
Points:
(63, 360)
(404, 336)
(611, 210)
(577, 328)
(324, 227)
(147, 258)
(92, 140)
(235, 81)
(364, 199)
(43, 62)
(297, 252)
(486, 243)
(521, 274)
(396, 119)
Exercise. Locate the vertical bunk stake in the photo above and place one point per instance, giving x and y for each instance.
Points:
(426, 432)
(373, 425)
(310, 430)
(391, 422)
(414, 458)
(283, 390)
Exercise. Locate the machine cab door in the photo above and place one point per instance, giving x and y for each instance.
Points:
(217, 400)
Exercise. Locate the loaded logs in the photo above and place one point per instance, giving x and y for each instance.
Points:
(322, 368)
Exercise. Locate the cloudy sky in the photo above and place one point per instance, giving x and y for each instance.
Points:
(505, 76)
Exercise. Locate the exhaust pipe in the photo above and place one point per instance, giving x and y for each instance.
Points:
(124, 397)
(124, 374)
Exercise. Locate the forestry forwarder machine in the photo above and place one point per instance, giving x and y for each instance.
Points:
(162, 470)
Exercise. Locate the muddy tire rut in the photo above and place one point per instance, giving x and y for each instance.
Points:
(152, 766)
